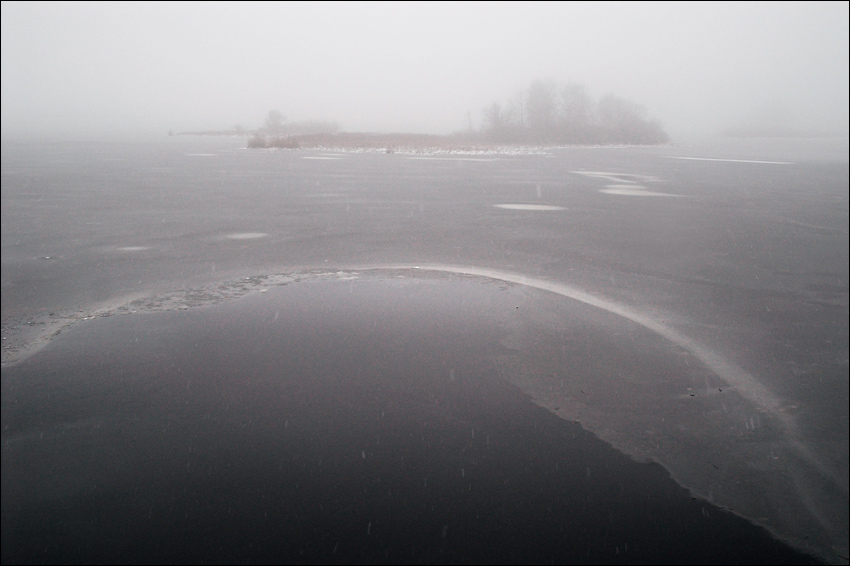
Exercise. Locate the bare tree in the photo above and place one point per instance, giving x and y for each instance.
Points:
(274, 120)
(497, 121)
(541, 109)
(623, 121)
(517, 107)
(575, 116)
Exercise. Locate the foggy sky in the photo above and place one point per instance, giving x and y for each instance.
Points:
(91, 68)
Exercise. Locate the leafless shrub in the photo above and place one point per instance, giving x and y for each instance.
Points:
(257, 142)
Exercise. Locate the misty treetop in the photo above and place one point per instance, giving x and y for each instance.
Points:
(550, 113)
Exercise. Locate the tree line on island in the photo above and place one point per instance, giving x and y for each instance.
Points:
(545, 113)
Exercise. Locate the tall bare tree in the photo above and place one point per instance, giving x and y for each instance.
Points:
(274, 121)
(497, 121)
(575, 116)
(541, 109)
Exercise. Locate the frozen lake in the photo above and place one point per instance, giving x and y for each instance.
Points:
(388, 356)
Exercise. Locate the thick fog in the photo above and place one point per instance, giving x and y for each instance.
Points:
(81, 69)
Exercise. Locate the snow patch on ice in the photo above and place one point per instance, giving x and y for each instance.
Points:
(529, 207)
(246, 236)
(635, 191)
(730, 160)
(454, 158)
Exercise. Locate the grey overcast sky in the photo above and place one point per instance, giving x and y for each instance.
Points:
(91, 68)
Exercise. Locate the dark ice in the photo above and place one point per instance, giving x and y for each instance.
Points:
(579, 355)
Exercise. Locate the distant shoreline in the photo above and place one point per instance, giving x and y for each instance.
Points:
(462, 142)
(376, 142)
(404, 143)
